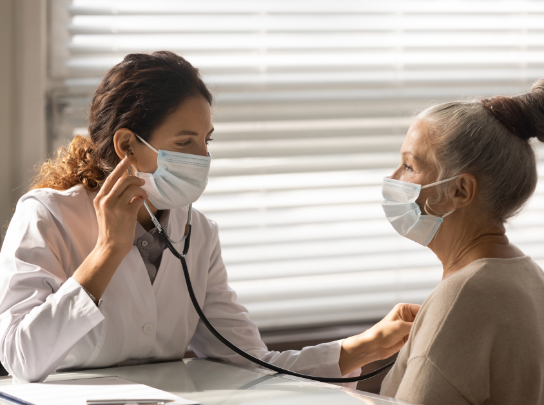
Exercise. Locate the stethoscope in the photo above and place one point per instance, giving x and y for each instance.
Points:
(181, 256)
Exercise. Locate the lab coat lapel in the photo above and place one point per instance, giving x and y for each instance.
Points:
(139, 284)
(175, 229)
(164, 266)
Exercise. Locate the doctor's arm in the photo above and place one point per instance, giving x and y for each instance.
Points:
(44, 311)
(116, 205)
(334, 359)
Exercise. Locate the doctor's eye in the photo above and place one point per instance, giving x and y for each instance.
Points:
(208, 141)
(183, 144)
(408, 167)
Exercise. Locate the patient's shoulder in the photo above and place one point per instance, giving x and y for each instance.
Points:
(449, 292)
(492, 281)
(487, 299)
(467, 326)
(487, 281)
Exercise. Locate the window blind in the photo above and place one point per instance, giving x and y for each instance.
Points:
(313, 99)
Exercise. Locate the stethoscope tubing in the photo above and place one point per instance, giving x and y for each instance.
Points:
(231, 345)
(215, 332)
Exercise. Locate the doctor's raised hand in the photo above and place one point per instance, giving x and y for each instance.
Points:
(116, 205)
(85, 279)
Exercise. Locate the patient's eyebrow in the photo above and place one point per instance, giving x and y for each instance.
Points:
(411, 154)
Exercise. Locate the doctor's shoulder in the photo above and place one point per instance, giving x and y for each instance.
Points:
(72, 205)
(69, 214)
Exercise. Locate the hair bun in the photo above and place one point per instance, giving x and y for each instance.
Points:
(523, 115)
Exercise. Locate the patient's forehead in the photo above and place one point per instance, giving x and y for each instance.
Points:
(418, 143)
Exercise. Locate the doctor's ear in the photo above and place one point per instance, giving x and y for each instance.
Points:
(123, 141)
(464, 190)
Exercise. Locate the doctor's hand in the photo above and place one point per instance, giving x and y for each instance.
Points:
(379, 342)
(116, 205)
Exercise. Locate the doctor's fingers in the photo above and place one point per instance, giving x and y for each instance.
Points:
(115, 175)
(406, 312)
(132, 196)
(389, 336)
(121, 185)
(113, 200)
(402, 329)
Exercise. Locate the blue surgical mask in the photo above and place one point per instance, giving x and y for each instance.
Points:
(404, 214)
(180, 178)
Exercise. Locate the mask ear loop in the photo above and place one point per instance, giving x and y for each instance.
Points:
(427, 207)
(156, 221)
(448, 213)
(147, 143)
(440, 182)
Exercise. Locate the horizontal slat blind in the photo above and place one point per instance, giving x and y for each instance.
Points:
(313, 99)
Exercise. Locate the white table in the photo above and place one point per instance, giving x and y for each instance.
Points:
(212, 382)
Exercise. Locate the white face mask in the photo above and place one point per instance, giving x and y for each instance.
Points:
(403, 213)
(180, 178)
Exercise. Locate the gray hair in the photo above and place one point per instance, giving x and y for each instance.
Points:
(489, 138)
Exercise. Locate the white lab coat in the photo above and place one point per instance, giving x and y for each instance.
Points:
(48, 322)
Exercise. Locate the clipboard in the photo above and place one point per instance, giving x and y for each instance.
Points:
(99, 390)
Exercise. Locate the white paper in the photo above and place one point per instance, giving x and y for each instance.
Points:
(77, 392)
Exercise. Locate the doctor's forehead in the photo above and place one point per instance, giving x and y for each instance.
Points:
(192, 117)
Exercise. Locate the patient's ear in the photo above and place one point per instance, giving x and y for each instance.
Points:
(464, 190)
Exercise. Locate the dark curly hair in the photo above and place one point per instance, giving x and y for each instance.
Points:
(138, 94)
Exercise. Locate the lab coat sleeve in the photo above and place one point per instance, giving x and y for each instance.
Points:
(232, 321)
(43, 312)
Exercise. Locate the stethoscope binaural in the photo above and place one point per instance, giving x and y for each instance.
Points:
(217, 334)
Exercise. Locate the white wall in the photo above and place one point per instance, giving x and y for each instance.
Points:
(23, 141)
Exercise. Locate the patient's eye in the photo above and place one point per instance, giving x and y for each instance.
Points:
(408, 167)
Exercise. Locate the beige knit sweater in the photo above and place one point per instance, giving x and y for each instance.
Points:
(478, 339)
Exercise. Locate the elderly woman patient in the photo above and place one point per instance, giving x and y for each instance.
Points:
(467, 167)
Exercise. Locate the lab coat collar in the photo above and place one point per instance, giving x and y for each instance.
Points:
(179, 217)
(164, 220)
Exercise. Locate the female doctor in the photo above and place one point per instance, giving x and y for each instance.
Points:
(85, 281)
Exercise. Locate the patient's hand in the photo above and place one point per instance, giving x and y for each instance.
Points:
(379, 342)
